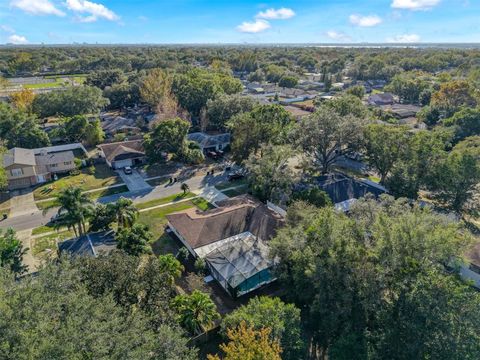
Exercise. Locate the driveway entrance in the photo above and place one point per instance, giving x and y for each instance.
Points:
(134, 181)
(22, 203)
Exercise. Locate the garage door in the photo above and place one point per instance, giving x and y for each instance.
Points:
(122, 163)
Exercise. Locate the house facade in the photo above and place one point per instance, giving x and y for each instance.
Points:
(25, 168)
(122, 154)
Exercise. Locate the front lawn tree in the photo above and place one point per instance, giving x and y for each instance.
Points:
(75, 209)
(125, 212)
(325, 136)
(185, 188)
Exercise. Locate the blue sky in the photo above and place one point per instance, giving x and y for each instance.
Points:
(229, 21)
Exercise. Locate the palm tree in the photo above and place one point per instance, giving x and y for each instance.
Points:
(74, 210)
(125, 212)
(185, 188)
(195, 311)
(171, 266)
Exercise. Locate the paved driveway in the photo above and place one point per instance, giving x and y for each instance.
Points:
(22, 203)
(134, 181)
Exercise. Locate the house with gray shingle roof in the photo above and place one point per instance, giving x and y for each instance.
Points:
(29, 167)
(210, 142)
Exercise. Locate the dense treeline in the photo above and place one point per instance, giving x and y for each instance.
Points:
(360, 63)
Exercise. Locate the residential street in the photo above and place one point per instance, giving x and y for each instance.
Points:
(34, 219)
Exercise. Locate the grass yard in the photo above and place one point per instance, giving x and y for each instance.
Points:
(235, 192)
(155, 219)
(160, 169)
(229, 184)
(157, 182)
(202, 204)
(93, 196)
(165, 200)
(103, 176)
(46, 246)
(45, 85)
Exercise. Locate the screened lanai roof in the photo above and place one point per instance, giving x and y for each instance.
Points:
(239, 260)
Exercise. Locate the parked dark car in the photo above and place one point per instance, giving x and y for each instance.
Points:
(55, 218)
(235, 176)
(127, 170)
(212, 154)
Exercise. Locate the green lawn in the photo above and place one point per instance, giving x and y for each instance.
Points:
(202, 204)
(235, 192)
(165, 200)
(103, 176)
(160, 169)
(157, 182)
(42, 230)
(93, 196)
(44, 85)
(49, 242)
(156, 220)
(229, 184)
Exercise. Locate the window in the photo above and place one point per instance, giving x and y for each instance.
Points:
(16, 172)
(53, 165)
(67, 163)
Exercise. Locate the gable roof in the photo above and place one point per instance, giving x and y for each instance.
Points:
(341, 188)
(19, 156)
(232, 217)
(55, 158)
(112, 150)
(92, 244)
(207, 140)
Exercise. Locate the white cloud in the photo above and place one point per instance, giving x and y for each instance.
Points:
(337, 35)
(276, 14)
(17, 39)
(415, 4)
(253, 27)
(94, 11)
(405, 38)
(37, 7)
(365, 21)
(7, 29)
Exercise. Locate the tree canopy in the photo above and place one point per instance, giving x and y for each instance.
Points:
(360, 278)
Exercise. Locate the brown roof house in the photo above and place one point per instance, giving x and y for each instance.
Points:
(29, 167)
(232, 239)
(122, 154)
